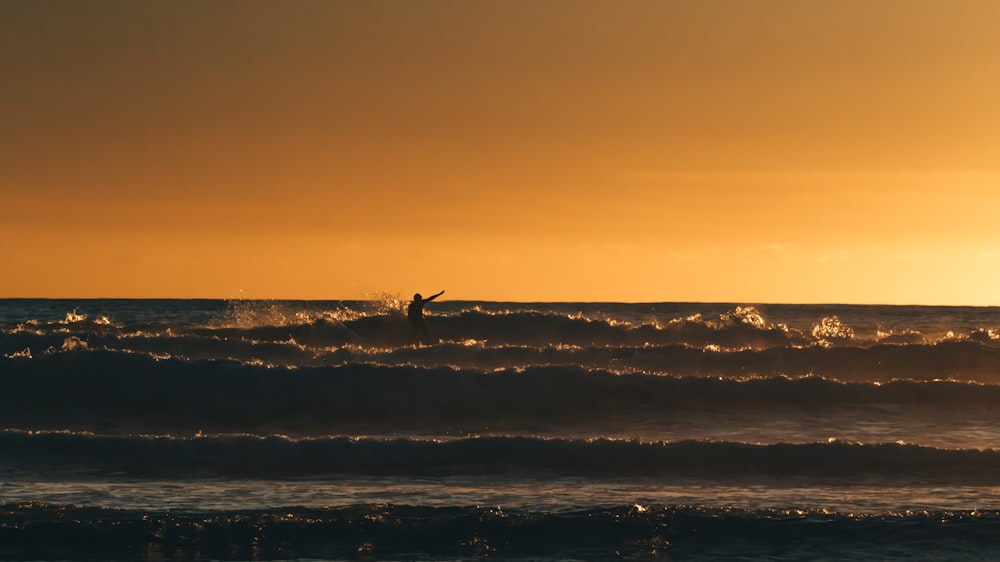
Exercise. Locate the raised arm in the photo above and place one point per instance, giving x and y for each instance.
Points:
(432, 297)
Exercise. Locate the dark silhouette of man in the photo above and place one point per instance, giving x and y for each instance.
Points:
(415, 314)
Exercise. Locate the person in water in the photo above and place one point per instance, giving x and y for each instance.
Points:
(415, 314)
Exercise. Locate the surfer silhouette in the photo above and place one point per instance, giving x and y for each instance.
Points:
(415, 314)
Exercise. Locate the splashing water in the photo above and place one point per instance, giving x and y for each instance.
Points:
(832, 328)
(74, 316)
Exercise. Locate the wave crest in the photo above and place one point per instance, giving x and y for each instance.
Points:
(248, 456)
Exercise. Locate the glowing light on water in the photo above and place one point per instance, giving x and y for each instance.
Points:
(831, 327)
(72, 343)
(387, 303)
(748, 315)
(898, 336)
(23, 354)
(72, 317)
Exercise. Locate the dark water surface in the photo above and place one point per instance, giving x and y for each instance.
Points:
(208, 430)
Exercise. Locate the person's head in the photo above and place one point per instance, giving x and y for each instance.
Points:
(417, 297)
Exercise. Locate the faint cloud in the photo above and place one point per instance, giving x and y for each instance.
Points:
(776, 250)
(786, 250)
(910, 257)
(831, 257)
(678, 256)
(988, 254)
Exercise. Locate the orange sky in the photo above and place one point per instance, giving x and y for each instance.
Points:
(765, 151)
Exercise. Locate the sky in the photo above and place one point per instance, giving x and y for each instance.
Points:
(830, 151)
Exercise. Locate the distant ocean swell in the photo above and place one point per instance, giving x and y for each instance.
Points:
(281, 457)
(400, 532)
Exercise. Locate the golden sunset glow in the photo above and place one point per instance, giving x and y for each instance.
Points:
(765, 151)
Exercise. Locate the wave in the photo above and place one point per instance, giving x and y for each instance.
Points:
(390, 329)
(376, 325)
(247, 456)
(955, 359)
(738, 343)
(119, 392)
(959, 360)
(399, 532)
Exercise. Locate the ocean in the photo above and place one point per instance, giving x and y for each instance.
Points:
(314, 430)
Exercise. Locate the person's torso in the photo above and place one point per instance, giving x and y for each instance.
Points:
(416, 310)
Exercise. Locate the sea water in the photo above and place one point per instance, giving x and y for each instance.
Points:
(232, 430)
